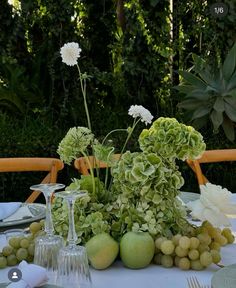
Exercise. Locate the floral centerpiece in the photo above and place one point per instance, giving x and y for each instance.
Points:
(140, 193)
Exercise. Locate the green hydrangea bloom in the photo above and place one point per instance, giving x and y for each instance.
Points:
(171, 139)
(74, 143)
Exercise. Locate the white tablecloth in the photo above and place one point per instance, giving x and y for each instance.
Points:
(151, 277)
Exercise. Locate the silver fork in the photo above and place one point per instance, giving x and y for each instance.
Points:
(193, 282)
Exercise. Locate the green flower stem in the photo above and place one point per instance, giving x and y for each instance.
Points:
(115, 130)
(130, 133)
(107, 169)
(83, 89)
(91, 171)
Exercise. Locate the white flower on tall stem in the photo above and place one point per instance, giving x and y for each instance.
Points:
(139, 111)
(70, 53)
(214, 205)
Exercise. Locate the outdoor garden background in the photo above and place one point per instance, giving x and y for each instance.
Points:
(133, 51)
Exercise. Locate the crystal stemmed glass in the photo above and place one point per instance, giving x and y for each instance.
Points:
(73, 268)
(47, 246)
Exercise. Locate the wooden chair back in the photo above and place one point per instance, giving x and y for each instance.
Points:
(211, 156)
(50, 165)
(83, 166)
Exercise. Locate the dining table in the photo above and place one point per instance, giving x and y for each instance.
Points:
(153, 276)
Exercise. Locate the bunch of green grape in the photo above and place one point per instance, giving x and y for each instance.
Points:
(196, 251)
(21, 248)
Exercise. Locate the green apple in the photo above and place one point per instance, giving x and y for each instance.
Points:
(102, 250)
(137, 249)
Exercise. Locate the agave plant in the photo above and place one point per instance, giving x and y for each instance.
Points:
(210, 94)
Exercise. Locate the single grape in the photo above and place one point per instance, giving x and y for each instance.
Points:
(175, 239)
(31, 249)
(206, 258)
(196, 265)
(193, 254)
(157, 258)
(24, 243)
(203, 247)
(14, 242)
(221, 240)
(179, 251)
(226, 232)
(42, 223)
(176, 261)
(184, 263)
(204, 238)
(7, 250)
(30, 237)
(184, 242)
(167, 247)
(167, 261)
(39, 233)
(35, 227)
(22, 254)
(158, 242)
(194, 243)
(11, 260)
(3, 262)
(215, 246)
(215, 256)
(213, 232)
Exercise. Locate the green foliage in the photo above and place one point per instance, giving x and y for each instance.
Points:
(142, 195)
(30, 137)
(211, 94)
(132, 63)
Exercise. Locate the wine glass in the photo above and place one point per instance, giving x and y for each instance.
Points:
(47, 246)
(73, 267)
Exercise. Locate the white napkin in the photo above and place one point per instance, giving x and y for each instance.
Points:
(8, 208)
(32, 276)
(20, 213)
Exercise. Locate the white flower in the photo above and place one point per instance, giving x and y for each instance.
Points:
(70, 52)
(213, 205)
(139, 111)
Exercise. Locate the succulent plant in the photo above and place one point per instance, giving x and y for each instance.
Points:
(210, 94)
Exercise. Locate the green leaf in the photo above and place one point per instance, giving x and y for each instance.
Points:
(231, 100)
(219, 104)
(200, 122)
(217, 119)
(183, 88)
(192, 79)
(199, 94)
(228, 128)
(229, 63)
(202, 111)
(11, 97)
(199, 62)
(232, 82)
(190, 104)
(230, 112)
(232, 93)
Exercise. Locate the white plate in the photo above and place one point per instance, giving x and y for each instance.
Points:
(188, 196)
(37, 210)
(225, 277)
(4, 285)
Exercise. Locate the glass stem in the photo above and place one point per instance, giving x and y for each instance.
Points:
(48, 223)
(72, 236)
